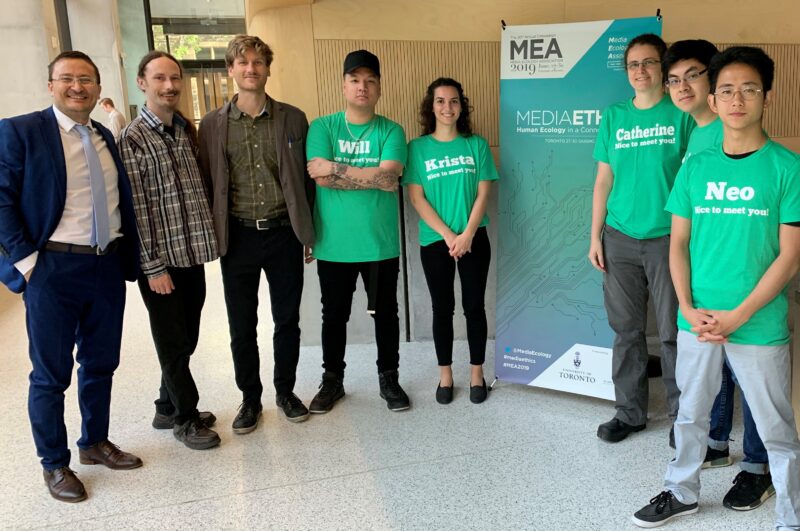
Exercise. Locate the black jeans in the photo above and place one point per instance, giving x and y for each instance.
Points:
(337, 282)
(278, 253)
(175, 325)
(473, 270)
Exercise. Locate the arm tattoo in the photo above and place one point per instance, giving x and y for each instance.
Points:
(336, 183)
(385, 180)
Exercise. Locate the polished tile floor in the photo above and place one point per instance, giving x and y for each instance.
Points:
(525, 459)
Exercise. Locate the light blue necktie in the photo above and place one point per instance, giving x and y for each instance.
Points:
(100, 231)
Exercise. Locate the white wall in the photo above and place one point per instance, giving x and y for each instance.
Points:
(94, 30)
(27, 50)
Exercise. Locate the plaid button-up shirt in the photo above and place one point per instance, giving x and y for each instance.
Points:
(169, 196)
(253, 161)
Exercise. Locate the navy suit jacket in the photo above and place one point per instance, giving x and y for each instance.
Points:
(33, 191)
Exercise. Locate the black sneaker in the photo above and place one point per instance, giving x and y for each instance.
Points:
(292, 407)
(661, 510)
(615, 430)
(396, 398)
(749, 491)
(717, 458)
(167, 422)
(247, 418)
(331, 389)
(195, 435)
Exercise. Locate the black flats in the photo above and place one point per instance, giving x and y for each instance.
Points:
(478, 393)
(444, 395)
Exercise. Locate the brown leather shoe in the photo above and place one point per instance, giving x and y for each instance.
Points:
(64, 485)
(108, 454)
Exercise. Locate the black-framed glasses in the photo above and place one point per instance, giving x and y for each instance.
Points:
(647, 63)
(748, 93)
(83, 81)
(675, 82)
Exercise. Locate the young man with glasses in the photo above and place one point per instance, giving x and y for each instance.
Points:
(735, 247)
(686, 67)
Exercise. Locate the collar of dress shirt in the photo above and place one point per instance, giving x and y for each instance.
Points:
(154, 122)
(237, 113)
(66, 123)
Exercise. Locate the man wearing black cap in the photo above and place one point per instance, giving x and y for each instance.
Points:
(356, 158)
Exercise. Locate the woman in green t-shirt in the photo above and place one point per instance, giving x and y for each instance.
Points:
(639, 148)
(448, 176)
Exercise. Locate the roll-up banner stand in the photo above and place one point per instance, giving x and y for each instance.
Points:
(555, 81)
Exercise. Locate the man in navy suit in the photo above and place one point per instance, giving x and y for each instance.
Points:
(68, 242)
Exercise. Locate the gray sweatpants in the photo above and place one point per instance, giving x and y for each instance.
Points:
(636, 269)
(764, 375)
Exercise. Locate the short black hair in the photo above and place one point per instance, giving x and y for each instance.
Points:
(699, 49)
(72, 54)
(745, 55)
(650, 39)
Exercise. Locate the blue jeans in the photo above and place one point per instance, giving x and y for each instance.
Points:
(755, 455)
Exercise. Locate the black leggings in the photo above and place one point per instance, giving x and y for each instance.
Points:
(473, 269)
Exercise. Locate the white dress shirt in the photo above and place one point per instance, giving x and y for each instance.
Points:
(75, 225)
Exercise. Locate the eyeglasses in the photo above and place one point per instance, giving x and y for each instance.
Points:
(675, 82)
(748, 93)
(647, 63)
(82, 81)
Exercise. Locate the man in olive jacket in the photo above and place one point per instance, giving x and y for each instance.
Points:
(252, 152)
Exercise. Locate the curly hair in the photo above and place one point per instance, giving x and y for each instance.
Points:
(241, 43)
(426, 117)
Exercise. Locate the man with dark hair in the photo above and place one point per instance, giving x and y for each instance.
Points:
(68, 241)
(176, 237)
(735, 246)
(356, 158)
(251, 150)
(686, 69)
(116, 121)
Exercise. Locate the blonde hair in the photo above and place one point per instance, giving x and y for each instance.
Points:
(241, 43)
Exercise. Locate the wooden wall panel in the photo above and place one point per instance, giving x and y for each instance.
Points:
(409, 66)
(783, 118)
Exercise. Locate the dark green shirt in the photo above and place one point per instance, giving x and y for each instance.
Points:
(253, 164)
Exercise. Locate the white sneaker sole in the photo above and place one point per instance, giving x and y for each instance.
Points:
(649, 525)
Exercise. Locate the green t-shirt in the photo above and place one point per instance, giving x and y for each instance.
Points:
(644, 149)
(709, 135)
(356, 225)
(449, 173)
(736, 207)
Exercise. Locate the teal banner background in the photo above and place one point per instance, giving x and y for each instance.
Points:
(552, 329)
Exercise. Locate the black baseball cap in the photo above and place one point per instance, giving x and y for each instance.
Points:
(362, 58)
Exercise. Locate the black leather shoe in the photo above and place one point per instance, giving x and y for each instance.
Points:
(195, 434)
(292, 407)
(64, 485)
(478, 393)
(615, 430)
(247, 418)
(108, 454)
(444, 395)
(167, 422)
